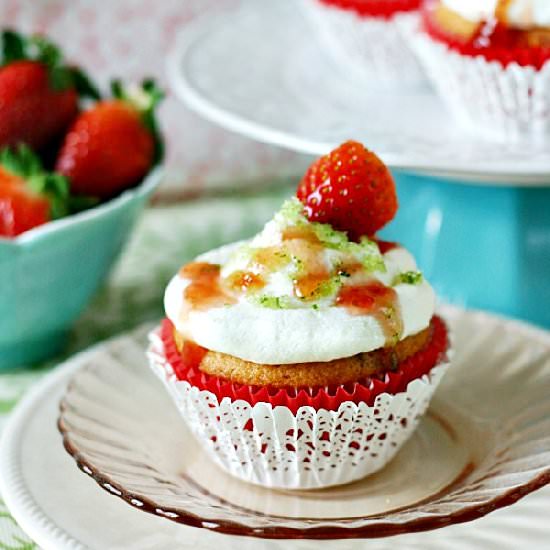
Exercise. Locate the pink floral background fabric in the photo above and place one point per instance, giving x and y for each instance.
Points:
(131, 39)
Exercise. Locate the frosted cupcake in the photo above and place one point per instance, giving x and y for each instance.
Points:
(305, 357)
(490, 60)
(366, 37)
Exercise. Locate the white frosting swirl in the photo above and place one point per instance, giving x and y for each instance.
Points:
(521, 14)
(300, 332)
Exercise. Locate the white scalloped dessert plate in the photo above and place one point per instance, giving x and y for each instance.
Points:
(126, 433)
(259, 71)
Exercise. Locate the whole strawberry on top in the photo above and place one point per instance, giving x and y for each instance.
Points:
(29, 196)
(38, 92)
(113, 145)
(351, 189)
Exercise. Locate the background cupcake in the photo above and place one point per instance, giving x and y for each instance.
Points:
(366, 37)
(489, 59)
(305, 357)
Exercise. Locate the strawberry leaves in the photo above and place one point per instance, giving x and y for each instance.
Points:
(24, 164)
(145, 99)
(16, 47)
(13, 47)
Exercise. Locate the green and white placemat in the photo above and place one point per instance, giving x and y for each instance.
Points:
(165, 238)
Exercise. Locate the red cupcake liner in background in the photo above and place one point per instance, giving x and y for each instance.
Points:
(384, 9)
(329, 398)
(535, 57)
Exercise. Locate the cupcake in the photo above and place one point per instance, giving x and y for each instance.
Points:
(305, 357)
(490, 61)
(365, 36)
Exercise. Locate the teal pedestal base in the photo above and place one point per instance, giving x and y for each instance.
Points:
(481, 246)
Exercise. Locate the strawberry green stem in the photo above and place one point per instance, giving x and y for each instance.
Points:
(17, 47)
(24, 164)
(145, 99)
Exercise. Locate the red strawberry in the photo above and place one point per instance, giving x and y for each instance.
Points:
(20, 209)
(30, 112)
(28, 196)
(113, 145)
(38, 95)
(351, 189)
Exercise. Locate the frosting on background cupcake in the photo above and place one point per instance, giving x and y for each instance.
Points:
(521, 14)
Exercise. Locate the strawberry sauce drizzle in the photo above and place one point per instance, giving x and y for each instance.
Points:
(303, 243)
(245, 281)
(207, 289)
(204, 290)
(378, 300)
(501, 11)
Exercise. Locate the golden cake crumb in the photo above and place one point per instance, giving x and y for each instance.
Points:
(339, 371)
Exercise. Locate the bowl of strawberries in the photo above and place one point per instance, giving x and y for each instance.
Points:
(76, 169)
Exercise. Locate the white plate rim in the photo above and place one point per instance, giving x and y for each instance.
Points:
(20, 502)
(184, 90)
(29, 515)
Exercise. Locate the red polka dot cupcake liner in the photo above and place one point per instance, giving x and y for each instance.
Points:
(329, 398)
(305, 438)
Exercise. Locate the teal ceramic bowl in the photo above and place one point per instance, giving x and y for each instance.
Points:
(49, 274)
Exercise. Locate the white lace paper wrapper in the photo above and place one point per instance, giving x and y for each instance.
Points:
(503, 103)
(373, 49)
(311, 449)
